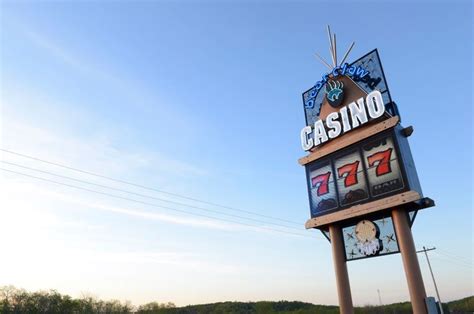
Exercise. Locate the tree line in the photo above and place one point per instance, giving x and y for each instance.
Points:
(13, 301)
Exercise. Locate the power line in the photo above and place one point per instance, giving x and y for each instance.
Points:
(460, 258)
(443, 259)
(148, 196)
(446, 258)
(155, 205)
(147, 187)
(455, 260)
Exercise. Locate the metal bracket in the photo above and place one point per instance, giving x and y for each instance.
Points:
(407, 131)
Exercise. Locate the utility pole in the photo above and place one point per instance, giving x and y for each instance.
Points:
(380, 299)
(425, 250)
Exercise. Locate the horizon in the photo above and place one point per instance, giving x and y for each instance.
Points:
(86, 295)
(190, 114)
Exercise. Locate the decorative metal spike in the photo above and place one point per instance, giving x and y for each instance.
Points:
(347, 53)
(331, 46)
(323, 61)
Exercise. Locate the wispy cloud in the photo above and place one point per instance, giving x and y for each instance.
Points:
(100, 146)
(88, 67)
(100, 155)
(62, 54)
(94, 153)
(113, 78)
(14, 188)
(180, 259)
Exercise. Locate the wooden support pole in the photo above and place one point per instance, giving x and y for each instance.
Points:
(340, 267)
(410, 261)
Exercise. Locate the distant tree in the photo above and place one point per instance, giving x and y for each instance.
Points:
(19, 301)
(15, 301)
(154, 307)
(465, 305)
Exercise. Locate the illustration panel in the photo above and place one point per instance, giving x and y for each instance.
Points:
(369, 238)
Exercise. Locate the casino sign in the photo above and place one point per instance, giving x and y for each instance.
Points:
(358, 150)
(347, 118)
(363, 187)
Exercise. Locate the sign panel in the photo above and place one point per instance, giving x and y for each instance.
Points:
(322, 188)
(351, 178)
(361, 173)
(375, 79)
(366, 72)
(339, 121)
(358, 151)
(369, 238)
(383, 169)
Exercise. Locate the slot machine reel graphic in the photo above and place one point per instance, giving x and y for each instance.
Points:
(322, 189)
(370, 170)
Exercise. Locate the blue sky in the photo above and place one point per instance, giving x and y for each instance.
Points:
(204, 99)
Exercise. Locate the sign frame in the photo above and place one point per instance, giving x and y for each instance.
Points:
(403, 157)
(371, 217)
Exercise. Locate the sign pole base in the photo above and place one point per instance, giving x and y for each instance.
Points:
(340, 267)
(410, 261)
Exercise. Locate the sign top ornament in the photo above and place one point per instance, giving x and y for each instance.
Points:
(346, 97)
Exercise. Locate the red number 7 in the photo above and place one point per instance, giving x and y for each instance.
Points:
(322, 182)
(383, 159)
(351, 170)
